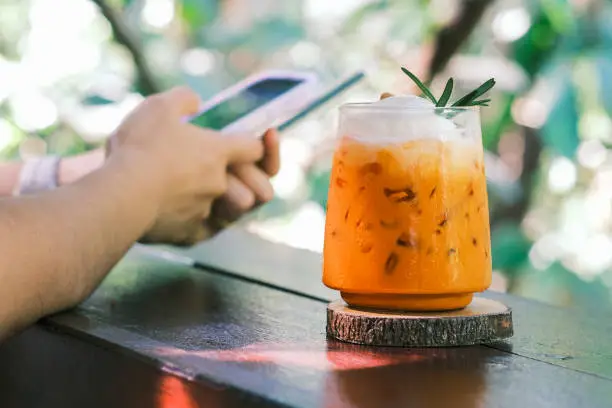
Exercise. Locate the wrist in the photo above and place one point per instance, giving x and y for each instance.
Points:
(74, 168)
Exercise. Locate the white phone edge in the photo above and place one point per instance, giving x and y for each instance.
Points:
(273, 112)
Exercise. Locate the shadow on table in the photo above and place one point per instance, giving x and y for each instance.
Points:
(161, 302)
(39, 368)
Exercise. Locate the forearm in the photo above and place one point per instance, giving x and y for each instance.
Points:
(58, 246)
(70, 170)
(9, 177)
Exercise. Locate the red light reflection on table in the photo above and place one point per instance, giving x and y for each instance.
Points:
(400, 377)
(303, 355)
(173, 393)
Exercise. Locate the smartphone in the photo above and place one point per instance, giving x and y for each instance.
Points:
(322, 99)
(258, 102)
(269, 99)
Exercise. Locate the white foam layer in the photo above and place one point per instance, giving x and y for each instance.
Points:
(399, 119)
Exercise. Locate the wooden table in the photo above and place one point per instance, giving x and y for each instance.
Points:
(241, 322)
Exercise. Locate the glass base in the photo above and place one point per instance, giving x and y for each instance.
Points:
(409, 303)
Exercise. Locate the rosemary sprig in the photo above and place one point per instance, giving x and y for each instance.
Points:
(421, 85)
(484, 102)
(448, 90)
(471, 99)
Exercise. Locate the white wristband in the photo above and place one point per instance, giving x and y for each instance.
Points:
(39, 174)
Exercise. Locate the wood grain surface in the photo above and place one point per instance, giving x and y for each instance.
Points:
(567, 337)
(270, 347)
(235, 342)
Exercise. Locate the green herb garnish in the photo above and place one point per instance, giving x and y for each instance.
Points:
(417, 81)
(448, 90)
(471, 99)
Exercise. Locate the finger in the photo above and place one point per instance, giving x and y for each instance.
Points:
(182, 101)
(242, 149)
(236, 201)
(255, 180)
(271, 160)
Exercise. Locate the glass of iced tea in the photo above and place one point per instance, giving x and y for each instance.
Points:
(407, 223)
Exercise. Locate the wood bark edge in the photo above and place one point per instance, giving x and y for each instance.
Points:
(418, 331)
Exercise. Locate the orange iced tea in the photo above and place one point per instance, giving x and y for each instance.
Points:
(407, 220)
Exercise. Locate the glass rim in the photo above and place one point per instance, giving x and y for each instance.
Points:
(373, 107)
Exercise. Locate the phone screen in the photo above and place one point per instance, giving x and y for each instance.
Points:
(244, 102)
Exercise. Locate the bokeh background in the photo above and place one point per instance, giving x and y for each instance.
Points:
(70, 70)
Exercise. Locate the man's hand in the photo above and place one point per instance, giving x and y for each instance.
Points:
(186, 165)
(248, 185)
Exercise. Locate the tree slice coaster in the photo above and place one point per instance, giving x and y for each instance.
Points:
(482, 321)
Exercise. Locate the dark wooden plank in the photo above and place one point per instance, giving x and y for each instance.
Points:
(267, 343)
(42, 368)
(566, 337)
(245, 254)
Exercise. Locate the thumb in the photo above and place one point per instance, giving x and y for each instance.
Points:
(243, 149)
(182, 101)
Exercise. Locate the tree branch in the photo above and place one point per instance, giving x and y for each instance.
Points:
(145, 81)
(451, 37)
(516, 211)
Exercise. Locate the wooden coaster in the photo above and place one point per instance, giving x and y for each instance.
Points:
(482, 321)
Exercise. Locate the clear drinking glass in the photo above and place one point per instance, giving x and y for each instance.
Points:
(407, 222)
